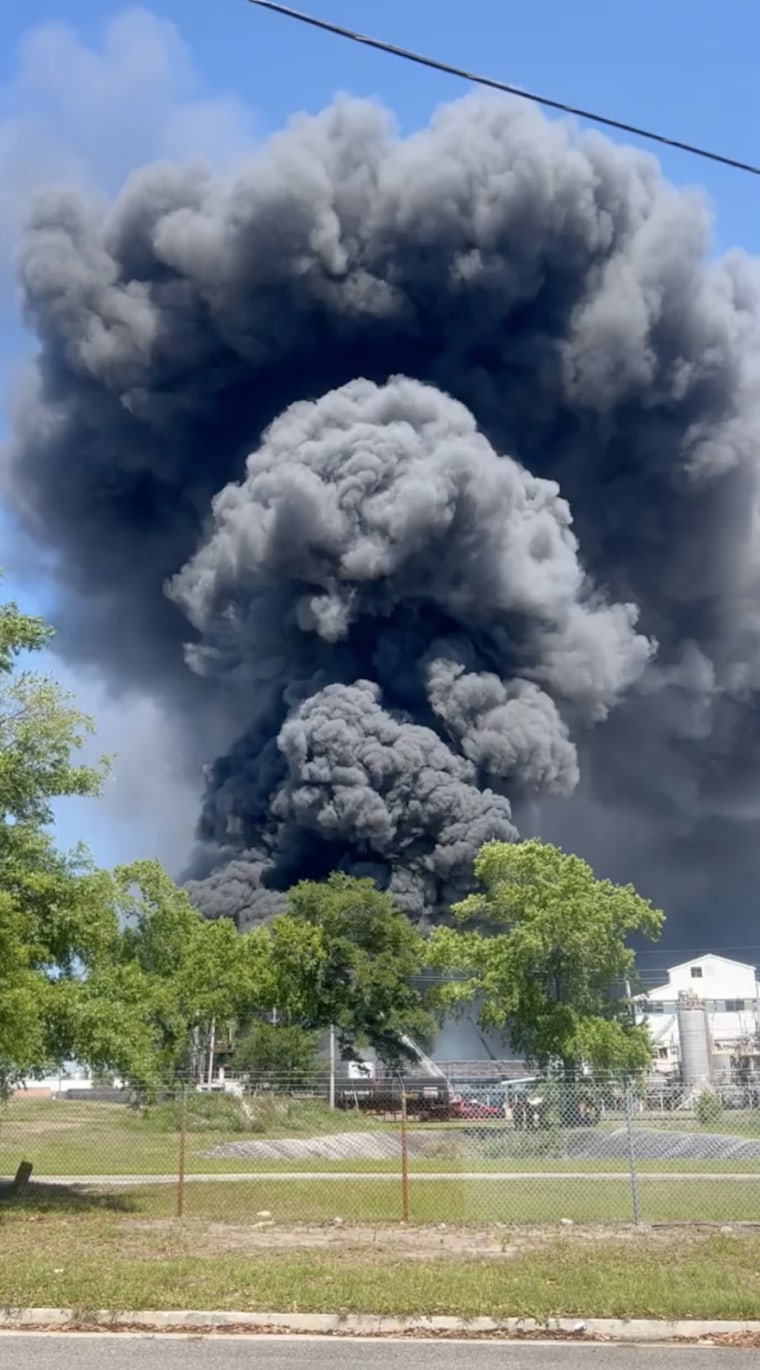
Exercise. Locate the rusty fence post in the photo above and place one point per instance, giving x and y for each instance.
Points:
(182, 1144)
(629, 1109)
(404, 1159)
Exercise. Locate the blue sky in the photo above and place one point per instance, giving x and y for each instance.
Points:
(89, 89)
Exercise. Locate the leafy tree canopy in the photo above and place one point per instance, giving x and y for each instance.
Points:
(55, 912)
(548, 959)
(344, 955)
(278, 1053)
(170, 971)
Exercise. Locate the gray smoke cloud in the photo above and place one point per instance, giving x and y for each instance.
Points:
(386, 458)
(512, 731)
(359, 777)
(368, 522)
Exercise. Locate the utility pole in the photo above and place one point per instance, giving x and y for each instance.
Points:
(332, 1067)
(211, 1050)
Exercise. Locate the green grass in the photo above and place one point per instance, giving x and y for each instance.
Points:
(531, 1201)
(589, 1200)
(102, 1261)
(61, 1138)
(734, 1122)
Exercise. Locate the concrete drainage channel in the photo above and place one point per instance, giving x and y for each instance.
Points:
(634, 1331)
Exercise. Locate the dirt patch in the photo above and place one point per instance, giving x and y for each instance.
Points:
(503, 1241)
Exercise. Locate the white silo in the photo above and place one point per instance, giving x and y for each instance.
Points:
(695, 1041)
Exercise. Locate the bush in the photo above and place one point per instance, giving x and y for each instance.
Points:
(282, 1055)
(709, 1108)
(203, 1113)
(265, 1114)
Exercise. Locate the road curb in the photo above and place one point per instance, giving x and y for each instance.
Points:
(200, 1321)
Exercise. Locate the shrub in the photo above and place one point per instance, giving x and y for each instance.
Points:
(709, 1108)
(281, 1056)
(203, 1113)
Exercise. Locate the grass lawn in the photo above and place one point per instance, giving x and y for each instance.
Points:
(734, 1121)
(81, 1138)
(526, 1201)
(99, 1260)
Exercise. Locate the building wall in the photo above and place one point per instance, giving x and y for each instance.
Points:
(729, 991)
(712, 977)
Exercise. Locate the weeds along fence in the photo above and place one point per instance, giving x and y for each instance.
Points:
(266, 1155)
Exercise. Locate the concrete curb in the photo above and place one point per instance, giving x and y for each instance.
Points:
(632, 1330)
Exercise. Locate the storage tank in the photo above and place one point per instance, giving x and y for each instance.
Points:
(695, 1041)
(722, 1067)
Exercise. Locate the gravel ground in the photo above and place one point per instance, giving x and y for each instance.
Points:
(651, 1144)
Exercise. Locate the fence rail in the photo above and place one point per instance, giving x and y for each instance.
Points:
(542, 1154)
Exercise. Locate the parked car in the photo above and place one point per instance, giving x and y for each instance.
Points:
(473, 1108)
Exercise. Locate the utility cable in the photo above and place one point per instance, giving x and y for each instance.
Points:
(408, 56)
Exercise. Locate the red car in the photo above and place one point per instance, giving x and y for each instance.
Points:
(471, 1108)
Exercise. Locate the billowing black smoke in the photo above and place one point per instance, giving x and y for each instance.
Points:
(404, 607)
(433, 349)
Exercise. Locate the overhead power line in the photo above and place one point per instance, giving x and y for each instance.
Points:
(493, 84)
(692, 955)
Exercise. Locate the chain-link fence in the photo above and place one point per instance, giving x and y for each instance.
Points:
(537, 1153)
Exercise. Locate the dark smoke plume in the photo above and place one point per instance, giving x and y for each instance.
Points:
(377, 557)
(432, 464)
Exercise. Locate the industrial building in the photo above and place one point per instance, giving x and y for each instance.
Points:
(704, 1021)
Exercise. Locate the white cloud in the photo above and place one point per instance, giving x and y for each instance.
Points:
(88, 116)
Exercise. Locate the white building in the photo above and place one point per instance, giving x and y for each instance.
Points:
(730, 992)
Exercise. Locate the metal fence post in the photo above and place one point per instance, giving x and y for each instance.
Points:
(332, 1068)
(404, 1159)
(182, 1142)
(632, 1154)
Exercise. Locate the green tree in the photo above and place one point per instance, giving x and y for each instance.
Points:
(115, 969)
(173, 971)
(55, 913)
(548, 960)
(343, 955)
(279, 1053)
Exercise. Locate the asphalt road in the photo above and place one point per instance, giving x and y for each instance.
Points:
(102, 1352)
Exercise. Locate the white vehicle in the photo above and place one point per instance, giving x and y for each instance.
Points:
(222, 1087)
